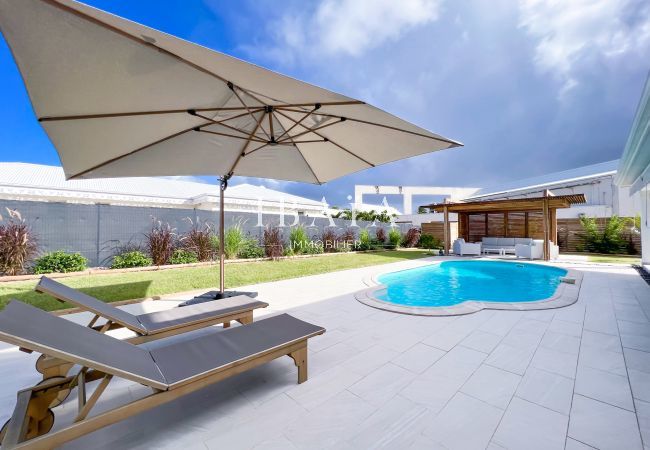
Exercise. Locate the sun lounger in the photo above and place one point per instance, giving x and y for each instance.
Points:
(147, 327)
(158, 324)
(172, 370)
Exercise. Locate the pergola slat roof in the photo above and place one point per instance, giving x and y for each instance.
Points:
(515, 204)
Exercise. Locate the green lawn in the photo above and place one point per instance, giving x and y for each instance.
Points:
(127, 286)
(615, 259)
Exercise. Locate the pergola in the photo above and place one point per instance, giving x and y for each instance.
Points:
(533, 217)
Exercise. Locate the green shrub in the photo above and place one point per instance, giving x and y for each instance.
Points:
(131, 259)
(429, 242)
(394, 237)
(182, 256)
(251, 248)
(60, 262)
(233, 241)
(608, 240)
(298, 240)
(364, 240)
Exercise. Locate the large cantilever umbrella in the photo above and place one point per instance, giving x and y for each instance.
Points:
(118, 99)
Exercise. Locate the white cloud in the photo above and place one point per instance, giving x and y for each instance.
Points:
(351, 27)
(568, 30)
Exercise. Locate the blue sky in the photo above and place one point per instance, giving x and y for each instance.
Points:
(529, 86)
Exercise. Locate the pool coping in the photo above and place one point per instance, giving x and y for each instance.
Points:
(566, 294)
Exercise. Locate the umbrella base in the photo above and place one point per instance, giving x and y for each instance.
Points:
(216, 295)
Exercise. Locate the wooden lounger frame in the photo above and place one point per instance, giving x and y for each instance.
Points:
(32, 409)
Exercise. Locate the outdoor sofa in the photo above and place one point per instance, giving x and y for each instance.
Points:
(172, 369)
(495, 244)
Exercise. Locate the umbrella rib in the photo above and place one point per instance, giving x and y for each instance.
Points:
(177, 111)
(307, 114)
(334, 143)
(439, 138)
(110, 161)
(242, 153)
(234, 88)
(251, 138)
(311, 169)
(221, 122)
(311, 130)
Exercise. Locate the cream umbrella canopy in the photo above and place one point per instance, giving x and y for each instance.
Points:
(118, 99)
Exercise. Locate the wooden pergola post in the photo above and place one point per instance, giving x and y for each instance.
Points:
(446, 231)
(546, 223)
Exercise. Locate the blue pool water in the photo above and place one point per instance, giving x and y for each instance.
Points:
(453, 282)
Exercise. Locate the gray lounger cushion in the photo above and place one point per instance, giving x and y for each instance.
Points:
(88, 303)
(195, 358)
(155, 322)
(163, 367)
(32, 328)
(159, 321)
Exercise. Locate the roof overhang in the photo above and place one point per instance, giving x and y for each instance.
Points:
(517, 204)
(634, 168)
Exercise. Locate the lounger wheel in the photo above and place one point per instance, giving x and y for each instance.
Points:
(61, 396)
(3, 431)
(35, 428)
(40, 427)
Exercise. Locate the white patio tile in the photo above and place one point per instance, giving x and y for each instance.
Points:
(522, 338)
(330, 357)
(561, 342)
(604, 386)
(526, 425)
(482, 341)
(369, 360)
(333, 422)
(636, 341)
(418, 358)
(383, 384)
(603, 360)
(512, 359)
(459, 363)
(395, 424)
(643, 416)
(465, 423)
(572, 444)
(633, 328)
(603, 426)
(554, 361)
(276, 443)
(638, 360)
(322, 387)
(601, 341)
(432, 391)
(501, 323)
(492, 385)
(564, 327)
(640, 383)
(547, 389)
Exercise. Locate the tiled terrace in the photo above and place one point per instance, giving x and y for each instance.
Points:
(568, 378)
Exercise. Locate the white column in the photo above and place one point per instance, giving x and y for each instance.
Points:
(408, 202)
(645, 225)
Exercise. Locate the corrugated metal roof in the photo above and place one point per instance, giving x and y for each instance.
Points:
(563, 177)
(42, 177)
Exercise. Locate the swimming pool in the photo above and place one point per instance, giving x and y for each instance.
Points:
(454, 282)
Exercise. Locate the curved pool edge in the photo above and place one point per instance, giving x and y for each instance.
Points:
(565, 294)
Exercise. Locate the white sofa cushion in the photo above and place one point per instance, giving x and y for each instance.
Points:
(490, 241)
(506, 242)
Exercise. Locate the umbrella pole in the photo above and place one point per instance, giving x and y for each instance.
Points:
(222, 259)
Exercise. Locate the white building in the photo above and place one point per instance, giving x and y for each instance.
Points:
(35, 182)
(634, 169)
(596, 182)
